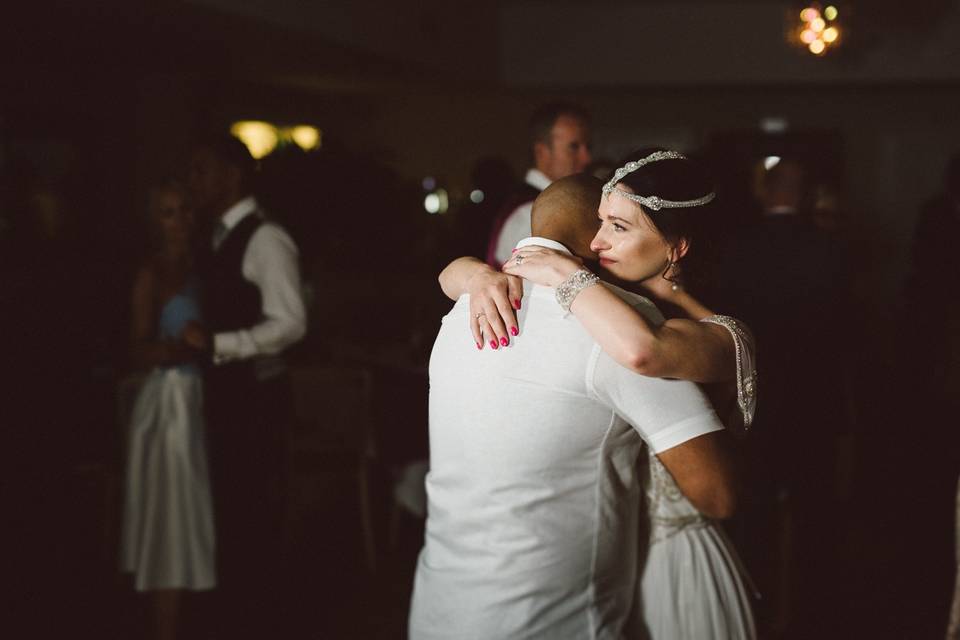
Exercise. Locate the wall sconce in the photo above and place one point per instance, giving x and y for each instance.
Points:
(818, 29)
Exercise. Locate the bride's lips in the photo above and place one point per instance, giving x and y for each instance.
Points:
(606, 261)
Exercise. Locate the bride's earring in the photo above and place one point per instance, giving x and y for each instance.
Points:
(667, 276)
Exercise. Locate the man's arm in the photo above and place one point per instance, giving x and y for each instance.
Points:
(271, 263)
(676, 421)
(703, 469)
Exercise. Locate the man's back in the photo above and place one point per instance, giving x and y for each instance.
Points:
(532, 491)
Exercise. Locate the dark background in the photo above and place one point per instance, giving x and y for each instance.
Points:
(99, 100)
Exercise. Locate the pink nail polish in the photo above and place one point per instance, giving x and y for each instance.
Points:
(493, 344)
(514, 331)
(516, 303)
(513, 251)
(504, 341)
(479, 345)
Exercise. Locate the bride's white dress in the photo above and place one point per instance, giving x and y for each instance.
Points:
(168, 537)
(692, 584)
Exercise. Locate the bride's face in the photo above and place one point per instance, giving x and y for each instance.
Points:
(629, 245)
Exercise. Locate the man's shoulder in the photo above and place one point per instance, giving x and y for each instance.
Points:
(270, 230)
(642, 304)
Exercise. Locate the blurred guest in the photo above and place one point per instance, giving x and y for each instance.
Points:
(788, 280)
(168, 538)
(560, 145)
(254, 312)
(929, 356)
(492, 181)
(935, 271)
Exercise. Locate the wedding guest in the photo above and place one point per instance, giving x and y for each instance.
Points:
(560, 146)
(168, 537)
(254, 312)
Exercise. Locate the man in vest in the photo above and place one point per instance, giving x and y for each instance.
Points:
(254, 311)
(560, 144)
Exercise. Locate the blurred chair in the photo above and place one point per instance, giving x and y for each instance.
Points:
(332, 430)
(409, 496)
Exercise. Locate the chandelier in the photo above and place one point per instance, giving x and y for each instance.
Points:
(818, 29)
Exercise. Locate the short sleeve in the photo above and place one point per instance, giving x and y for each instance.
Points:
(665, 413)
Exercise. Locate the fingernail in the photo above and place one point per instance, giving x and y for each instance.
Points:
(513, 251)
(493, 344)
(479, 345)
(516, 303)
(514, 331)
(504, 341)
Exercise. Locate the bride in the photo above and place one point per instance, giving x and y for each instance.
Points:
(652, 215)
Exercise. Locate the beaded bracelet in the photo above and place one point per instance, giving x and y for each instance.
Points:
(568, 289)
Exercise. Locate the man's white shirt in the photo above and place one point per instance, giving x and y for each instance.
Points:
(271, 263)
(533, 498)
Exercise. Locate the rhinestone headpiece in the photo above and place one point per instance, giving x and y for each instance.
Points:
(655, 203)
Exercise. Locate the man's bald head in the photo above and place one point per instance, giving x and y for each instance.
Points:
(566, 211)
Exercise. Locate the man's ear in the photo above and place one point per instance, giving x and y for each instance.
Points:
(541, 153)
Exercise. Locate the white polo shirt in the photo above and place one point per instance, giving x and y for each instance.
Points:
(532, 492)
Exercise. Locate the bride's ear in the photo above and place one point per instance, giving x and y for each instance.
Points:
(679, 250)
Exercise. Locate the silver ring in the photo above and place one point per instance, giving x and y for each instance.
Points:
(519, 258)
(477, 317)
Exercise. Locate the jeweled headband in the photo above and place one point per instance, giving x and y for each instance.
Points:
(654, 203)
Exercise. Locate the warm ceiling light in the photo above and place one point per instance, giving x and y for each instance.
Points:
(807, 36)
(260, 137)
(809, 14)
(817, 47)
(818, 24)
(830, 13)
(830, 34)
(306, 137)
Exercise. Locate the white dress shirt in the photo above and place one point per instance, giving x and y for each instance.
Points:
(533, 496)
(517, 225)
(271, 263)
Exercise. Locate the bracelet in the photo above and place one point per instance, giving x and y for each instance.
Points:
(568, 289)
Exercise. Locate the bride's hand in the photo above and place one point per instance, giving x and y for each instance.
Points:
(547, 267)
(493, 298)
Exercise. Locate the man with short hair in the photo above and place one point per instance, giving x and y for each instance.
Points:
(533, 493)
(560, 145)
(253, 312)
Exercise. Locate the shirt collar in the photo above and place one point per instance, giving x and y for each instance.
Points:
(232, 216)
(537, 179)
(543, 242)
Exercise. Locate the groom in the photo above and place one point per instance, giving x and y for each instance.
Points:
(533, 495)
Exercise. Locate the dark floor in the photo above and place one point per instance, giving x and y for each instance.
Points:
(882, 568)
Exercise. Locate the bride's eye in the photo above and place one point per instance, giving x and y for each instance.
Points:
(618, 227)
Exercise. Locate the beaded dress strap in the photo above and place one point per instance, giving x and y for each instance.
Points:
(746, 364)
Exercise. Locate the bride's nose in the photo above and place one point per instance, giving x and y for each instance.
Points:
(599, 243)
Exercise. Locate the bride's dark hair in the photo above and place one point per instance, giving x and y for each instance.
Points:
(679, 179)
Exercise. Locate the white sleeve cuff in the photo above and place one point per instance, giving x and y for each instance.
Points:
(683, 431)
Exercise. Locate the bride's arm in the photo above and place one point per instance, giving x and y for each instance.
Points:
(679, 348)
(145, 350)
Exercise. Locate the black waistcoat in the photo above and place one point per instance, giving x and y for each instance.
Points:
(231, 301)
